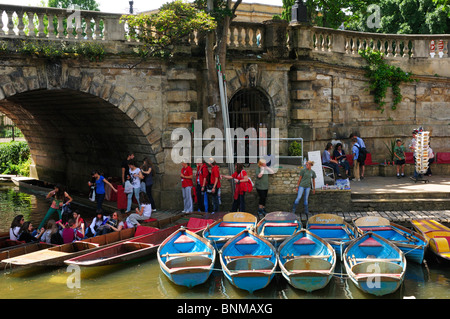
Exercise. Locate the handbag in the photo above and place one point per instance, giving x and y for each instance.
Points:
(128, 187)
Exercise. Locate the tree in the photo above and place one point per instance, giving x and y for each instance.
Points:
(82, 4)
(175, 21)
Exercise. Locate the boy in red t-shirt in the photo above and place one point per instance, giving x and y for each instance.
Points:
(215, 181)
(186, 187)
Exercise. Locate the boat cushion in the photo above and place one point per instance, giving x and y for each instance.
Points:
(183, 239)
(325, 227)
(246, 241)
(370, 242)
(149, 220)
(442, 243)
(280, 224)
(144, 230)
(227, 224)
(304, 241)
(195, 224)
(369, 228)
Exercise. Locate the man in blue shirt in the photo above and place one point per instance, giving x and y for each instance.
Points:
(355, 152)
(362, 145)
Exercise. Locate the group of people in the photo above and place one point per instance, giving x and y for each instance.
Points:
(208, 186)
(337, 157)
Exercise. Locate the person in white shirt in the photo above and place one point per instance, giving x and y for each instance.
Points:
(14, 231)
(145, 212)
(135, 179)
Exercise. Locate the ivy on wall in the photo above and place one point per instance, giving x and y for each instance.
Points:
(381, 76)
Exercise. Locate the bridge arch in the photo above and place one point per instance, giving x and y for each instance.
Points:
(74, 122)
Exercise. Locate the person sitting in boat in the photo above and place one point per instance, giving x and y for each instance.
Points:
(141, 214)
(50, 229)
(97, 224)
(60, 197)
(113, 224)
(70, 232)
(27, 233)
(80, 224)
(14, 230)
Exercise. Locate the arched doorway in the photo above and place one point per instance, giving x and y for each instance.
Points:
(250, 108)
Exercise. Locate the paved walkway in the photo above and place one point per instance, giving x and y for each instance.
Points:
(380, 184)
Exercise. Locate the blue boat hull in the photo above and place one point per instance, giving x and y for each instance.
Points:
(248, 261)
(374, 264)
(186, 258)
(307, 262)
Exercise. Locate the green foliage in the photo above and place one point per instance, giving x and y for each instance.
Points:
(82, 4)
(390, 147)
(15, 158)
(295, 149)
(173, 23)
(403, 16)
(56, 50)
(381, 76)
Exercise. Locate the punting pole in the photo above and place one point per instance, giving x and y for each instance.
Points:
(226, 119)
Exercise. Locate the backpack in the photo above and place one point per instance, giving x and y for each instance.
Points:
(361, 154)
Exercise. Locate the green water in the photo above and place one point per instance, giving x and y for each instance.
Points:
(144, 280)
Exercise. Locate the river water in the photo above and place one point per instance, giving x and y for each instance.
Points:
(144, 280)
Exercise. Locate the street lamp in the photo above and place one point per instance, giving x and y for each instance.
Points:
(131, 6)
(299, 12)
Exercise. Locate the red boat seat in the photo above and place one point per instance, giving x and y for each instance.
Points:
(144, 230)
(304, 241)
(195, 224)
(370, 242)
(183, 239)
(227, 224)
(246, 241)
(150, 220)
(369, 228)
(325, 227)
(280, 224)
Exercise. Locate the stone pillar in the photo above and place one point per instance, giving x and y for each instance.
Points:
(275, 41)
(301, 41)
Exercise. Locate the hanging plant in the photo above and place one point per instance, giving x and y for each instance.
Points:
(381, 76)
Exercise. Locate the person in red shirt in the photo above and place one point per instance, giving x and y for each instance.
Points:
(215, 182)
(201, 177)
(240, 179)
(186, 187)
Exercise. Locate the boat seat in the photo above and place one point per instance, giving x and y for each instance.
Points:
(246, 241)
(369, 228)
(183, 243)
(246, 245)
(370, 242)
(280, 224)
(228, 224)
(325, 227)
(304, 241)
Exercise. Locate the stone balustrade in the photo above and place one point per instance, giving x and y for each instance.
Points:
(34, 22)
(273, 36)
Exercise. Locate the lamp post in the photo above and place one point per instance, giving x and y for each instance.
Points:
(299, 12)
(131, 6)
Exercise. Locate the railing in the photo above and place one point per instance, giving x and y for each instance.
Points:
(270, 36)
(53, 23)
(392, 45)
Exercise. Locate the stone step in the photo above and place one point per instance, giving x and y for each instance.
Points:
(425, 204)
(400, 195)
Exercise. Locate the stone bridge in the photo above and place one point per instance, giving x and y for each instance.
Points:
(78, 115)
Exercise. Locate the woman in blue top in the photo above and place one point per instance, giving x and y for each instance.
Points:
(100, 188)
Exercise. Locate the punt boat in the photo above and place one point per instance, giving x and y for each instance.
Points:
(307, 261)
(277, 226)
(374, 264)
(228, 227)
(248, 261)
(186, 258)
(437, 235)
(411, 243)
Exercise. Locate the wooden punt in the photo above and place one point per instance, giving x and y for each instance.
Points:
(186, 258)
(333, 229)
(232, 224)
(306, 261)
(22, 250)
(277, 226)
(437, 235)
(411, 243)
(135, 249)
(55, 256)
(248, 261)
(374, 264)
